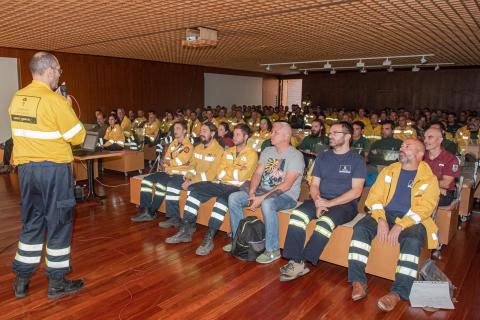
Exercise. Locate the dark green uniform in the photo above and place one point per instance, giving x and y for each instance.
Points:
(362, 146)
(450, 146)
(382, 145)
(310, 142)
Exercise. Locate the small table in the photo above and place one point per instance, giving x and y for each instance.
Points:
(90, 160)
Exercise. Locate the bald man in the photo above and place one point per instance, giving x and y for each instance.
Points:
(401, 202)
(443, 164)
(274, 186)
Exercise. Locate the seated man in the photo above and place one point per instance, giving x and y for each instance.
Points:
(176, 163)
(152, 127)
(360, 144)
(337, 183)
(443, 164)
(207, 156)
(402, 201)
(274, 186)
(237, 166)
(404, 131)
(447, 143)
(384, 151)
(317, 135)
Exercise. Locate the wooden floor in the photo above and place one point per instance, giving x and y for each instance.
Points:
(130, 273)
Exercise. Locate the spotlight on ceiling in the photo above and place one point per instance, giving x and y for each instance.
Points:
(423, 60)
(268, 68)
(437, 67)
(390, 69)
(363, 70)
(387, 62)
(327, 66)
(415, 69)
(305, 72)
(333, 71)
(293, 67)
(360, 64)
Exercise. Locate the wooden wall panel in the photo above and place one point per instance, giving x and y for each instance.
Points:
(107, 83)
(448, 89)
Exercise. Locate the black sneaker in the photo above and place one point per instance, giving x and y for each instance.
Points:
(20, 286)
(144, 215)
(63, 287)
(170, 222)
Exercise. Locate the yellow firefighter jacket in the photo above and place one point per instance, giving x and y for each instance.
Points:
(178, 157)
(236, 169)
(205, 162)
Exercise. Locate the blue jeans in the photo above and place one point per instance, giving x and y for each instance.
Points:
(270, 207)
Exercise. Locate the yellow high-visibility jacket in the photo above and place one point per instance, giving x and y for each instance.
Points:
(365, 120)
(404, 134)
(236, 169)
(234, 122)
(424, 198)
(214, 121)
(114, 135)
(256, 140)
(220, 119)
(138, 121)
(254, 124)
(461, 138)
(373, 134)
(308, 119)
(205, 162)
(165, 124)
(151, 130)
(195, 131)
(126, 126)
(44, 125)
(178, 157)
(273, 117)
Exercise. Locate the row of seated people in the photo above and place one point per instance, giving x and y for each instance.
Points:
(457, 133)
(401, 202)
(379, 153)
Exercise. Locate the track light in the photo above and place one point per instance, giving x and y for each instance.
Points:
(363, 70)
(333, 71)
(387, 62)
(305, 72)
(360, 64)
(437, 67)
(293, 67)
(390, 69)
(268, 68)
(415, 69)
(423, 60)
(327, 66)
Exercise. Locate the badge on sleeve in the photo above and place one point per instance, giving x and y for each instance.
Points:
(186, 149)
(455, 167)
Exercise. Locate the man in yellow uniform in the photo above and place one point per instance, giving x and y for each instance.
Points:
(236, 167)
(194, 126)
(210, 118)
(362, 117)
(236, 121)
(139, 120)
(373, 132)
(404, 131)
(402, 201)
(206, 158)
(467, 133)
(176, 163)
(44, 126)
(151, 128)
(125, 122)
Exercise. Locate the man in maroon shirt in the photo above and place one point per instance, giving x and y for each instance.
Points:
(443, 164)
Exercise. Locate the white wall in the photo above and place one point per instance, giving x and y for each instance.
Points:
(225, 90)
(8, 87)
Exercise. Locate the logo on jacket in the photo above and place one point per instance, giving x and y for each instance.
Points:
(410, 184)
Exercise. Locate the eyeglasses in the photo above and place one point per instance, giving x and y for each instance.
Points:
(336, 132)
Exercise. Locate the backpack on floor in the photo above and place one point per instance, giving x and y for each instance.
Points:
(249, 240)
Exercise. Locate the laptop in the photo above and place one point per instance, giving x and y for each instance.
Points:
(88, 146)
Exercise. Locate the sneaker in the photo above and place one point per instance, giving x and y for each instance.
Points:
(268, 256)
(170, 222)
(227, 248)
(144, 215)
(20, 287)
(184, 234)
(293, 270)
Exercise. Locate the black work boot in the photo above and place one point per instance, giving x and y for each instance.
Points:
(20, 286)
(58, 288)
(207, 245)
(144, 215)
(184, 234)
(170, 222)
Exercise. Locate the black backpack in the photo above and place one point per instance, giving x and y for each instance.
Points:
(249, 240)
